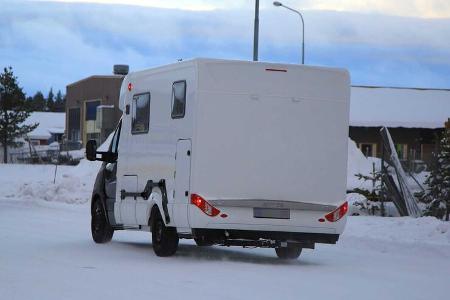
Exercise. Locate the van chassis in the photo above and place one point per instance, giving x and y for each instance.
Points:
(263, 239)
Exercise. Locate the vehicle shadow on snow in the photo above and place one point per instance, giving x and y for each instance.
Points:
(219, 253)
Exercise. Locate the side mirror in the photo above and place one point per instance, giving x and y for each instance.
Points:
(91, 153)
(91, 150)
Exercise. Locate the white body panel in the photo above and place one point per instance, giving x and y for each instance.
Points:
(257, 131)
(182, 183)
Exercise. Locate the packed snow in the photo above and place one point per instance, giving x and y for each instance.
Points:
(47, 253)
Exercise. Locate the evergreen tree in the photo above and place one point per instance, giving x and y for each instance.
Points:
(373, 204)
(59, 96)
(13, 112)
(437, 195)
(29, 101)
(38, 102)
(50, 101)
(60, 105)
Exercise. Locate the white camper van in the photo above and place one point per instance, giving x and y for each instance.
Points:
(232, 153)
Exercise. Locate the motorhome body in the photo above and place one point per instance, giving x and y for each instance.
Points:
(231, 153)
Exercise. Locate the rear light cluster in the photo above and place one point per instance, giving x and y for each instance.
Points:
(204, 205)
(338, 213)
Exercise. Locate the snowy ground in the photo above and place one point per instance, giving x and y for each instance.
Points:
(47, 253)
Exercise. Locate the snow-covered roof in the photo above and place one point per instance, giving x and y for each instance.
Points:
(49, 123)
(399, 107)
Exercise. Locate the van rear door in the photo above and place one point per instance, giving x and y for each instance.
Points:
(270, 132)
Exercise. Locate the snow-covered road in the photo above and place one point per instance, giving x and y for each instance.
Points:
(46, 252)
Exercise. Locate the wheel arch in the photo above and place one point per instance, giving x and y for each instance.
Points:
(156, 205)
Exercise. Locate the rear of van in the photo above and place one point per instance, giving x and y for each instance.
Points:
(269, 153)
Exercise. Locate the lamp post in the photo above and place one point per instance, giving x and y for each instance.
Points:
(256, 32)
(278, 4)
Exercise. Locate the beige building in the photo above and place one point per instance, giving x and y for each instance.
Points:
(92, 108)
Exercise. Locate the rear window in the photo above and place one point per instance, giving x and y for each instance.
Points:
(140, 113)
(178, 99)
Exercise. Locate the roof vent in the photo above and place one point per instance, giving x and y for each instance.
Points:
(121, 69)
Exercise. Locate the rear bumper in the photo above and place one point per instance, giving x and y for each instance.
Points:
(231, 237)
(294, 205)
(242, 219)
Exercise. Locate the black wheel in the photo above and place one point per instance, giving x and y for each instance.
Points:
(289, 252)
(100, 228)
(203, 243)
(164, 239)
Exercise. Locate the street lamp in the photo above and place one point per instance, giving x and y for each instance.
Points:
(256, 32)
(278, 4)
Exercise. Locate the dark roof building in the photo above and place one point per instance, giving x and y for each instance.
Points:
(415, 118)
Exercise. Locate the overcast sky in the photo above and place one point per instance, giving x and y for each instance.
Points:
(390, 43)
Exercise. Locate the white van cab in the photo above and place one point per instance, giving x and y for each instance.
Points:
(232, 153)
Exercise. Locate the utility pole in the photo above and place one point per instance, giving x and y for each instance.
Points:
(256, 32)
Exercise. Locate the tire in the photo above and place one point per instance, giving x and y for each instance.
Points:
(289, 252)
(164, 239)
(101, 230)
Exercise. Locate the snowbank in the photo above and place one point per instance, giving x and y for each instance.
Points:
(425, 230)
(356, 202)
(73, 184)
(357, 163)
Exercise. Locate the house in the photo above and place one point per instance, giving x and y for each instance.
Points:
(92, 107)
(50, 129)
(415, 118)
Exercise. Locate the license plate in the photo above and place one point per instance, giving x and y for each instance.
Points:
(271, 213)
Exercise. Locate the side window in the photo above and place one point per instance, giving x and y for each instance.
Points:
(178, 99)
(140, 113)
(115, 140)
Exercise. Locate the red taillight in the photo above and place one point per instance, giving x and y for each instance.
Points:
(338, 213)
(130, 86)
(204, 205)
